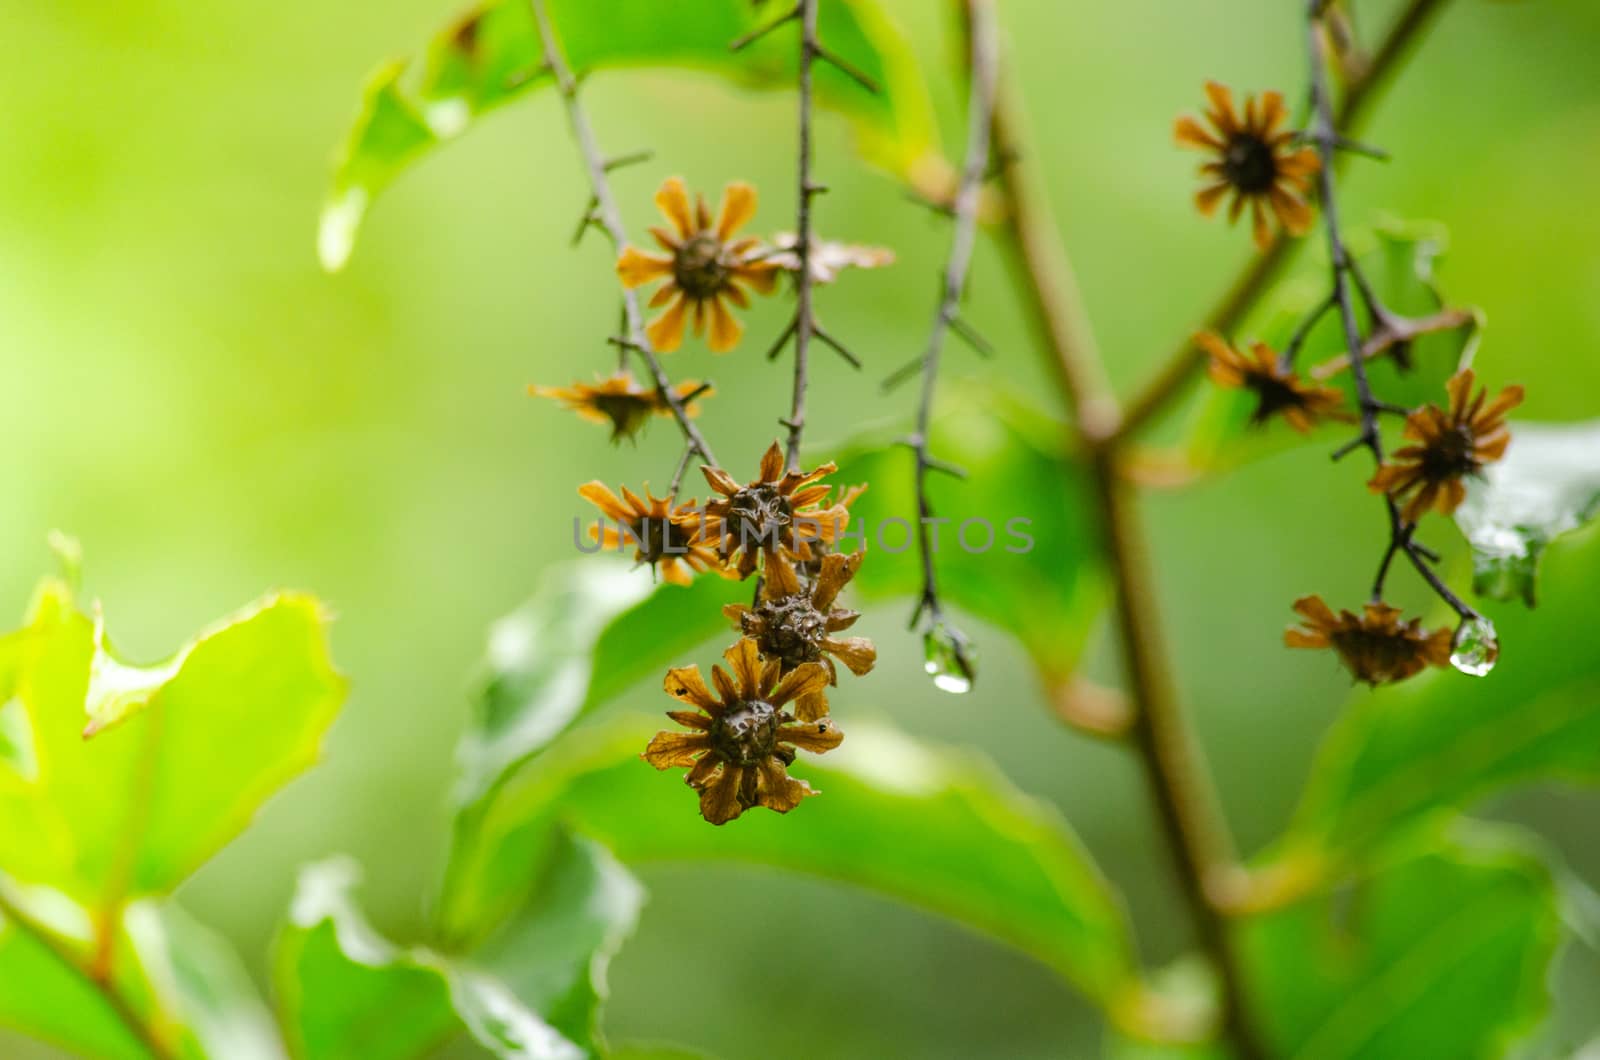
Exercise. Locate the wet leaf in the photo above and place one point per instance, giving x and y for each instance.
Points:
(346, 993)
(493, 55)
(179, 756)
(1443, 954)
(1547, 485)
(936, 829)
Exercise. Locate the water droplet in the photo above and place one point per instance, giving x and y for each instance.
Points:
(949, 658)
(1475, 647)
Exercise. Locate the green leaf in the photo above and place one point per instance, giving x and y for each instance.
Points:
(177, 758)
(1408, 757)
(554, 951)
(179, 982)
(1547, 485)
(493, 55)
(937, 829)
(591, 630)
(1441, 955)
(1039, 578)
(346, 993)
(1399, 260)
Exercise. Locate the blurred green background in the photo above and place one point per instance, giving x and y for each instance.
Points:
(213, 416)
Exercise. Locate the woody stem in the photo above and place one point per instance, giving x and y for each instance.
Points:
(804, 323)
(609, 218)
(1173, 763)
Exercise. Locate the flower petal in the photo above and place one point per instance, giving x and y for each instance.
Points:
(725, 330)
(837, 570)
(669, 749)
(737, 208)
(665, 332)
(858, 653)
(815, 736)
(719, 800)
(776, 789)
(1190, 133)
(685, 683)
(672, 199)
(597, 494)
(745, 660)
(803, 680)
(635, 267)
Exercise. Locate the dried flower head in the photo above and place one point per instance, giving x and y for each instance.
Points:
(1256, 162)
(655, 529)
(621, 401)
(776, 513)
(1450, 444)
(742, 740)
(1279, 391)
(794, 623)
(704, 266)
(827, 258)
(1375, 646)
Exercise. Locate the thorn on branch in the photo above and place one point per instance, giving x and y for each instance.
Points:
(852, 72)
(632, 158)
(981, 345)
(835, 345)
(783, 339)
(900, 375)
(754, 35)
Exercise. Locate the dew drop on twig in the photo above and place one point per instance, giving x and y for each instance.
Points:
(1475, 647)
(949, 658)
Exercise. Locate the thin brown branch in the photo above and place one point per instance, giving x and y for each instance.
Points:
(804, 319)
(1174, 765)
(84, 968)
(606, 215)
(983, 63)
(1261, 271)
(1343, 277)
(1035, 252)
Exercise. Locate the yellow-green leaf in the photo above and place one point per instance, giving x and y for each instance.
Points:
(493, 54)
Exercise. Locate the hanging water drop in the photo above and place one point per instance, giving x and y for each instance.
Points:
(949, 658)
(1475, 647)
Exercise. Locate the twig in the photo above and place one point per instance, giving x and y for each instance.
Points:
(1174, 766)
(120, 1006)
(804, 322)
(1325, 134)
(983, 65)
(1263, 269)
(609, 218)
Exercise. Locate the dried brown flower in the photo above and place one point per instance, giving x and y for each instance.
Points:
(621, 401)
(794, 623)
(742, 740)
(704, 266)
(657, 531)
(827, 258)
(776, 512)
(1375, 646)
(1451, 444)
(1256, 162)
(1279, 390)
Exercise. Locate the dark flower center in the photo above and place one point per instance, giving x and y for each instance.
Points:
(1249, 164)
(625, 411)
(1451, 454)
(697, 267)
(1273, 395)
(747, 732)
(659, 538)
(788, 629)
(1375, 657)
(759, 516)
